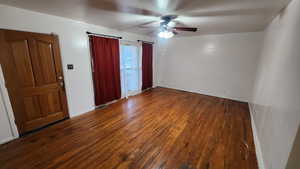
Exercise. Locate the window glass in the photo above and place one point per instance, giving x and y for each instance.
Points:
(130, 70)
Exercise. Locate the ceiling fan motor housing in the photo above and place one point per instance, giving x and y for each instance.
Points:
(167, 18)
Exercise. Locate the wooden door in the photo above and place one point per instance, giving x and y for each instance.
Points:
(33, 75)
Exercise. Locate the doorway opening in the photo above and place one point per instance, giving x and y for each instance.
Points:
(130, 66)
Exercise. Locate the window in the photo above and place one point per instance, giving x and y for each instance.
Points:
(130, 70)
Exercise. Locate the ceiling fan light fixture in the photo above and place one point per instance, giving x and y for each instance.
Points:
(165, 34)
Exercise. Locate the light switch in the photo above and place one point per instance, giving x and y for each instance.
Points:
(70, 66)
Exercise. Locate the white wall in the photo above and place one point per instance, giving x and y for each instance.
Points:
(293, 161)
(74, 49)
(218, 65)
(275, 104)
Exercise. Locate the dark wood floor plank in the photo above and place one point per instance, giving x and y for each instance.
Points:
(158, 129)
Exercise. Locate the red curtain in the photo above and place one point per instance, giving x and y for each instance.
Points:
(147, 56)
(106, 64)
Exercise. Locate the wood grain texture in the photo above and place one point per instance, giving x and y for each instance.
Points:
(158, 129)
(32, 69)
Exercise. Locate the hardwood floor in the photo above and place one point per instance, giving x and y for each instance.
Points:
(158, 129)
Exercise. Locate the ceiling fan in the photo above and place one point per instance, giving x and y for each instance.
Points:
(168, 25)
(166, 30)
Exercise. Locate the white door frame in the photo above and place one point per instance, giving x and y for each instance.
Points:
(139, 51)
(4, 98)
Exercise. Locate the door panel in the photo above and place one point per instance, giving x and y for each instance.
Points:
(36, 93)
(46, 63)
(52, 102)
(32, 108)
(22, 61)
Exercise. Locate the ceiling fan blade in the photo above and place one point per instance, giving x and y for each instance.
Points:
(141, 25)
(152, 33)
(150, 24)
(114, 6)
(222, 13)
(185, 29)
(182, 4)
(179, 23)
(175, 32)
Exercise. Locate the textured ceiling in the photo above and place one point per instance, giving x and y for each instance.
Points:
(142, 16)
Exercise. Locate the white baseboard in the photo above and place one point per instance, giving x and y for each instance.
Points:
(258, 151)
(7, 139)
(204, 93)
(81, 112)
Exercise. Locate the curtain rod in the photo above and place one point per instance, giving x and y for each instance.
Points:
(103, 35)
(145, 41)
